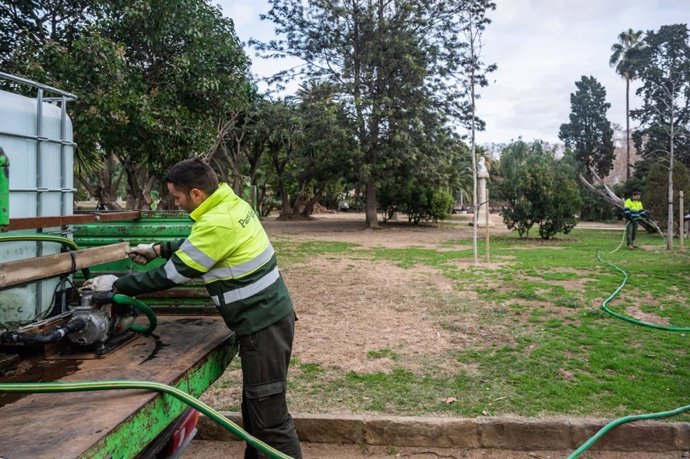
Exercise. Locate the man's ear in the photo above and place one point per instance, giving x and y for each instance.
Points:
(197, 195)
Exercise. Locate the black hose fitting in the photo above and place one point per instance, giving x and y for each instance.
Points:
(15, 337)
(102, 297)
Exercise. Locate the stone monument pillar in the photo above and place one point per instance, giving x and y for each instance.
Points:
(482, 177)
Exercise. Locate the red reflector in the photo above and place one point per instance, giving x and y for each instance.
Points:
(182, 432)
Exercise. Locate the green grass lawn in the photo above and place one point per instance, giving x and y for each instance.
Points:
(565, 356)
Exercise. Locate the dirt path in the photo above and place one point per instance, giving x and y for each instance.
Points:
(224, 450)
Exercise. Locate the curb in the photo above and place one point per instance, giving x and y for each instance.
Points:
(511, 433)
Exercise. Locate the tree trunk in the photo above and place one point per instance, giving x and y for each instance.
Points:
(372, 216)
(285, 207)
(317, 193)
(475, 213)
(105, 196)
(627, 128)
(146, 193)
(298, 201)
(669, 222)
(107, 184)
(139, 185)
(237, 184)
(264, 203)
(166, 201)
(309, 206)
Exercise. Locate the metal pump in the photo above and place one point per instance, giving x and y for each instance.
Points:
(103, 318)
(97, 322)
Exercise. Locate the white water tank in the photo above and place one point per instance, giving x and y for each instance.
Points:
(36, 136)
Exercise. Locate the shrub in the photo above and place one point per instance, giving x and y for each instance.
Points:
(538, 191)
(427, 204)
(419, 202)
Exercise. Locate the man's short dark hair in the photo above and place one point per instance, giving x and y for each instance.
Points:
(192, 173)
(636, 193)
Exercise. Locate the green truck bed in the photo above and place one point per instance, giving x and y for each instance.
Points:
(189, 352)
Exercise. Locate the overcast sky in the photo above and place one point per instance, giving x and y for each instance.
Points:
(541, 48)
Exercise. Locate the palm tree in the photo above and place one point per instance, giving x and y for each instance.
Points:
(625, 58)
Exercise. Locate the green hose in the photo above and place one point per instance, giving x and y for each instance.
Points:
(625, 230)
(41, 238)
(613, 424)
(663, 414)
(66, 242)
(615, 293)
(84, 386)
(140, 306)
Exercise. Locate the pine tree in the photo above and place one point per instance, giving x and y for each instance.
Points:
(589, 133)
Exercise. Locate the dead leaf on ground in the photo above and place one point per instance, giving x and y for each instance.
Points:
(565, 374)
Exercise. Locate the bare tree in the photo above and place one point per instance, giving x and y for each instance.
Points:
(665, 73)
(475, 75)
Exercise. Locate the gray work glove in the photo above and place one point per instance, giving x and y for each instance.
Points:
(101, 283)
(142, 254)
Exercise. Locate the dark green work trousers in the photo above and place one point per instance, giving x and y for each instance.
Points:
(265, 357)
(631, 232)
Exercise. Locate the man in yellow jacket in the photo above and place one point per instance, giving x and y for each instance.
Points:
(230, 251)
(634, 212)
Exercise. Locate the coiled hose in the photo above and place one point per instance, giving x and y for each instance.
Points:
(604, 305)
(41, 388)
(142, 307)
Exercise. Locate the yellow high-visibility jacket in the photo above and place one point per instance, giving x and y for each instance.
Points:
(633, 210)
(229, 250)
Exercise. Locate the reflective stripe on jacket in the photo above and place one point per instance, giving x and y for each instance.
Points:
(633, 210)
(230, 251)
